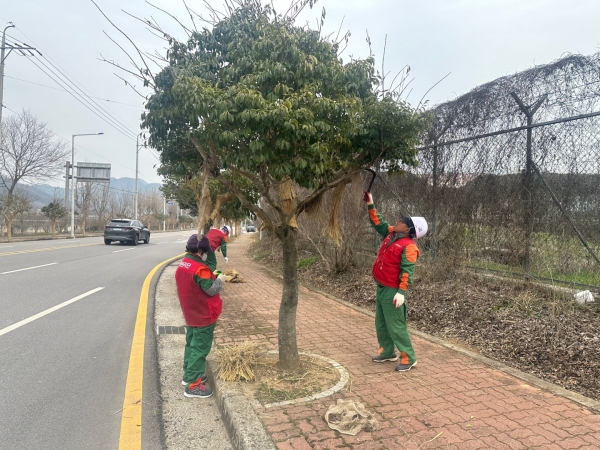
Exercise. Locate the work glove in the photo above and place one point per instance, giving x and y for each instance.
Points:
(226, 259)
(222, 277)
(368, 198)
(398, 300)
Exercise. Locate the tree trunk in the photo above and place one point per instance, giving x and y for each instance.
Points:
(9, 220)
(203, 201)
(289, 359)
(53, 225)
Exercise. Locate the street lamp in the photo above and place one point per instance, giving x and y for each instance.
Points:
(73, 179)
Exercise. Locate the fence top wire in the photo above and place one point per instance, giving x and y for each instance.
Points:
(570, 85)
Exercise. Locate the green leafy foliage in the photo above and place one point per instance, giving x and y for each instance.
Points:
(54, 210)
(267, 96)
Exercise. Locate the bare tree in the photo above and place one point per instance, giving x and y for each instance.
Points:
(151, 204)
(27, 153)
(121, 204)
(100, 203)
(83, 200)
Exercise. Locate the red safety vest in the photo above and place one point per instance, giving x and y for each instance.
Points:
(199, 310)
(386, 269)
(215, 237)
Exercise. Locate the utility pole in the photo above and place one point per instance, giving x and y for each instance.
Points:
(164, 212)
(137, 152)
(3, 58)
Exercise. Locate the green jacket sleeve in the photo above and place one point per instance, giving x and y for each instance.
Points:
(407, 266)
(224, 247)
(203, 278)
(380, 225)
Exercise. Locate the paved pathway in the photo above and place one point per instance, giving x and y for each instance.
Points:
(449, 401)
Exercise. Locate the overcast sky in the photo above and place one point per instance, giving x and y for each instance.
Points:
(475, 41)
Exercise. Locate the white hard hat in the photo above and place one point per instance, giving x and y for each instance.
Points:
(226, 229)
(420, 226)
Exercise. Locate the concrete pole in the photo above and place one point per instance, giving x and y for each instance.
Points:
(164, 213)
(137, 151)
(2, 57)
(73, 187)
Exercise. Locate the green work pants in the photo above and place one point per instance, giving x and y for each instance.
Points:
(390, 324)
(198, 342)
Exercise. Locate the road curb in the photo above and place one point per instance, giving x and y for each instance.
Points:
(582, 400)
(151, 355)
(246, 431)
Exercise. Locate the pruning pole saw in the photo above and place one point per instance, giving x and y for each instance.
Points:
(366, 194)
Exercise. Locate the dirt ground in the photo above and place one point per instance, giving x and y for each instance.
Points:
(530, 327)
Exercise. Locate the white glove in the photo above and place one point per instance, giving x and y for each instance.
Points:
(398, 300)
(226, 259)
(222, 277)
(368, 198)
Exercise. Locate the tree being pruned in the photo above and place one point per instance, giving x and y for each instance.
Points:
(263, 107)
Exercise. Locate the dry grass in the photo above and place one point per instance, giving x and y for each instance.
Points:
(265, 381)
(239, 362)
(526, 301)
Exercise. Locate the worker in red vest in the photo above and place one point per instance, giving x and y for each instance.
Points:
(198, 290)
(393, 272)
(218, 240)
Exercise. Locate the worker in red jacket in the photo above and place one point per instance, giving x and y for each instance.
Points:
(218, 240)
(393, 272)
(198, 290)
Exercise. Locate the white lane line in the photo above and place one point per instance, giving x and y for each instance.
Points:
(166, 242)
(125, 250)
(27, 268)
(46, 312)
(6, 246)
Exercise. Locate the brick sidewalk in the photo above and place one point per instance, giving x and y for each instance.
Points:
(449, 401)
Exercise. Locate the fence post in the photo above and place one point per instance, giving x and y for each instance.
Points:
(529, 111)
(434, 198)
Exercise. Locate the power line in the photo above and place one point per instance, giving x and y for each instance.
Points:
(81, 101)
(76, 94)
(90, 103)
(63, 90)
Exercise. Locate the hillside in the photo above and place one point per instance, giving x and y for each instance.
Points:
(42, 194)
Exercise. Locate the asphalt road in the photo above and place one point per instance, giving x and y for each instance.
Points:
(63, 366)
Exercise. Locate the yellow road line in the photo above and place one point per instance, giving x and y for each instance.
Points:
(131, 419)
(18, 252)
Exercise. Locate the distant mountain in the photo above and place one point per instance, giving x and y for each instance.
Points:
(128, 184)
(42, 194)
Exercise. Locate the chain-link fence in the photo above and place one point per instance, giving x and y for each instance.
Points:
(509, 176)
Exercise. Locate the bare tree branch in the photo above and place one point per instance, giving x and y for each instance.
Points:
(148, 72)
(186, 29)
